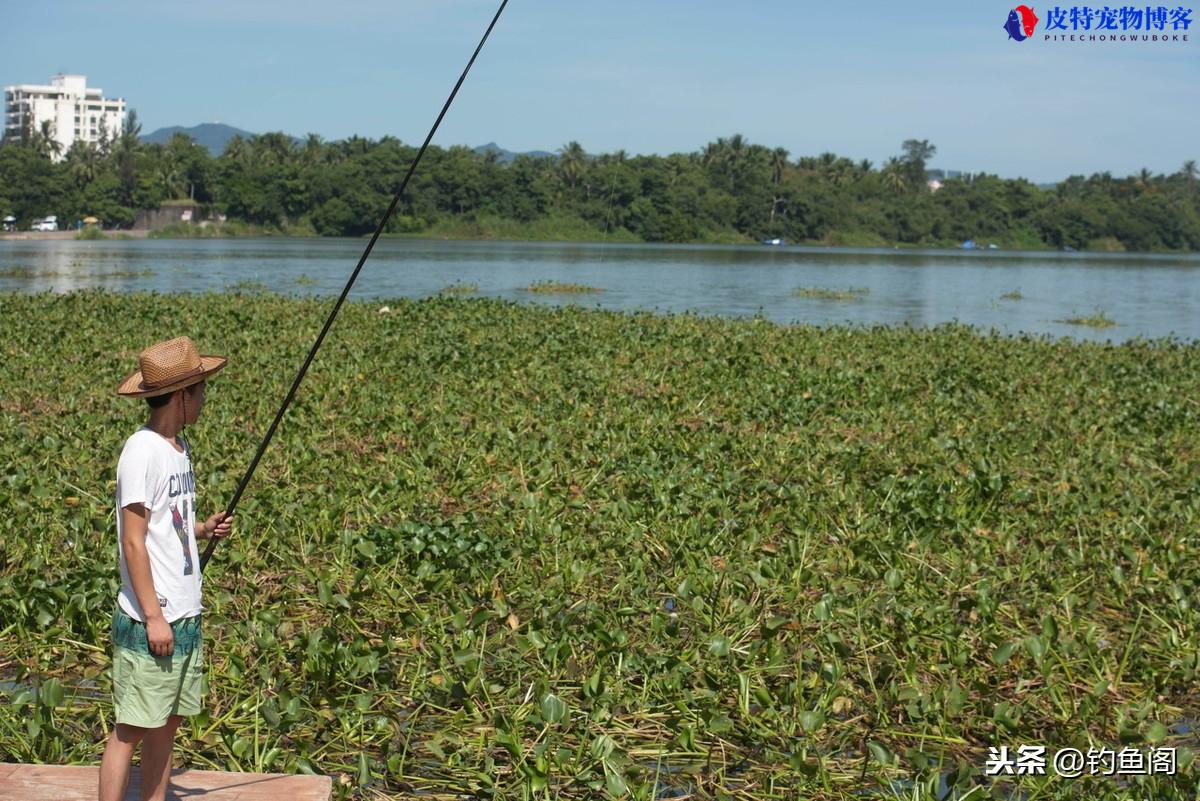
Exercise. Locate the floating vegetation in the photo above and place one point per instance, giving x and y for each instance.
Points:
(120, 274)
(560, 288)
(1097, 320)
(247, 286)
(513, 551)
(1014, 295)
(825, 293)
(305, 280)
(458, 288)
(77, 271)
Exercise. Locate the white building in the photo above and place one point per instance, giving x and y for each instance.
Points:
(75, 112)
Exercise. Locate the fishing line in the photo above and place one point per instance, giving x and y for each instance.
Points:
(237, 496)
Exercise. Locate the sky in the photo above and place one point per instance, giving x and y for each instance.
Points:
(646, 76)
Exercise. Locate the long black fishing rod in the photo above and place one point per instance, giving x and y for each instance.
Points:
(237, 496)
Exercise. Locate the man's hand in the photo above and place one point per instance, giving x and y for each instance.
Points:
(160, 636)
(216, 527)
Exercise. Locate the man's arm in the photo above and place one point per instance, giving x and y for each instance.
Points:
(137, 559)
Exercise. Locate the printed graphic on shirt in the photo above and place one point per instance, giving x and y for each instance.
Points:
(180, 483)
(177, 520)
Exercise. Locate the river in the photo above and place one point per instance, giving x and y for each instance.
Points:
(1146, 296)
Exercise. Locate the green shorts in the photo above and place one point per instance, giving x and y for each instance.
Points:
(148, 689)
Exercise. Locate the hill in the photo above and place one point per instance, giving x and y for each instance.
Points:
(505, 156)
(215, 135)
(212, 135)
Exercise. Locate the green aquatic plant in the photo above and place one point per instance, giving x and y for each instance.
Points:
(147, 273)
(1097, 320)
(515, 551)
(825, 293)
(1014, 295)
(247, 286)
(560, 288)
(458, 288)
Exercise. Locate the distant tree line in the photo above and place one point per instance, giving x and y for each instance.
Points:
(731, 190)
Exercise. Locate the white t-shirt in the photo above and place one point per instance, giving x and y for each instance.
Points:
(153, 473)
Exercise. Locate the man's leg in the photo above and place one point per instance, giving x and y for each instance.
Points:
(156, 759)
(117, 759)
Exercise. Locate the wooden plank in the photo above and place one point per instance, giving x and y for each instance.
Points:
(80, 783)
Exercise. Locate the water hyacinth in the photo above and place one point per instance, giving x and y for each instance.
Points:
(825, 293)
(561, 288)
(504, 551)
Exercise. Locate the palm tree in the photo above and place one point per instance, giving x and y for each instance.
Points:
(313, 150)
(572, 162)
(713, 153)
(807, 163)
(169, 177)
(43, 142)
(779, 163)
(84, 163)
(727, 157)
(777, 160)
(894, 177)
(272, 148)
(1144, 178)
(1189, 171)
(843, 173)
(354, 146)
(236, 150)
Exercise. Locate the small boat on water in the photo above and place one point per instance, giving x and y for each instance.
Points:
(969, 245)
(774, 242)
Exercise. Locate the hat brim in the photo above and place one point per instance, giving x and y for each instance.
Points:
(132, 386)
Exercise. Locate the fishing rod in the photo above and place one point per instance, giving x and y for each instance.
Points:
(262, 447)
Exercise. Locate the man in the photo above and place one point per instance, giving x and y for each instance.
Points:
(157, 648)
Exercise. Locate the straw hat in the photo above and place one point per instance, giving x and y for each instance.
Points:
(168, 366)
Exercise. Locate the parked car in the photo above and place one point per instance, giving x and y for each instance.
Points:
(45, 224)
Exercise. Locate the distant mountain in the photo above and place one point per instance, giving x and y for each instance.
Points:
(215, 135)
(505, 156)
(212, 135)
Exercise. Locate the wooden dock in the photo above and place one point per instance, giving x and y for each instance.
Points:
(79, 783)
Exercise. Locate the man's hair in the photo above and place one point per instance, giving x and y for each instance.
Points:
(159, 401)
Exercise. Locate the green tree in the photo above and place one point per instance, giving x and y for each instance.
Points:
(572, 163)
(83, 163)
(896, 175)
(917, 153)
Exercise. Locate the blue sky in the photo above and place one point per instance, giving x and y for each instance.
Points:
(649, 76)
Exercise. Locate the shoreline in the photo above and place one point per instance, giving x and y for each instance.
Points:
(142, 233)
(65, 236)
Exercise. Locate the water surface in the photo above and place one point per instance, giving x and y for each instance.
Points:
(1148, 296)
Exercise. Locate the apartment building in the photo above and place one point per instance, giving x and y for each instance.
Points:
(75, 112)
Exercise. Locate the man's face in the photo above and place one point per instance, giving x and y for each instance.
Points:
(193, 402)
